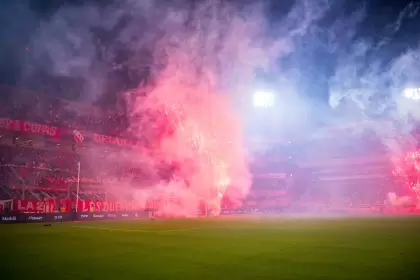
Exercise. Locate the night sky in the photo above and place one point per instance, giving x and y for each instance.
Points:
(20, 19)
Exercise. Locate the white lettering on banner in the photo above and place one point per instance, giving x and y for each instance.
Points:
(98, 206)
(29, 205)
(85, 208)
(105, 206)
(112, 216)
(125, 215)
(98, 216)
(35, 218)
(84, 216)
(9, 218)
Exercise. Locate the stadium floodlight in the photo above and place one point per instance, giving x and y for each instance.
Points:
(412, 93)
(263, 99)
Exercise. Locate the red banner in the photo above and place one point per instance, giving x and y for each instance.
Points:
(56, 132)
(8, 124)
(116, 206)
(33, 206)
(40, 129)
(30, 127)
(103, 139)
(52, 205)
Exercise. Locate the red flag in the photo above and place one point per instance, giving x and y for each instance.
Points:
(78, 137)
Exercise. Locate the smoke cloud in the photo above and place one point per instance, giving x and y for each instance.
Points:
(184, 71)
(402, 201)
(188, 68)
(371, 75)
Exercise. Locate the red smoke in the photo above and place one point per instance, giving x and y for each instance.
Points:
(203, 64)
(408, 169)
(199, 134)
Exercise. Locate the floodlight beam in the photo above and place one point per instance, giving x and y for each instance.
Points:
(412, 93)
(262, 99)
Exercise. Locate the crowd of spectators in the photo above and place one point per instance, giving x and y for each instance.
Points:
(22, 105)
(33, 167)
(50, 173)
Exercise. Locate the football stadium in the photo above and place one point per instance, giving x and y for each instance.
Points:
(209, 140)
(343, 216)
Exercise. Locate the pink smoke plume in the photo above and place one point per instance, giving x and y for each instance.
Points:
(203, 57)
(407, 169)
(209, 57)
(203, 138)
(203, 135)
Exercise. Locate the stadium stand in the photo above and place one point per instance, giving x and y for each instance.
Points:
(350, 170)
(39, 150)
(42, 139)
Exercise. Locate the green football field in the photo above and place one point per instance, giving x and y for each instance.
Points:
(215, 248)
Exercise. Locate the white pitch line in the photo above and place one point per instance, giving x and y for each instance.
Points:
(115, 229)
(188, 229)
(149, 231)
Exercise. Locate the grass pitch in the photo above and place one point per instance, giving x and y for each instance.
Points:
(215, 248)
